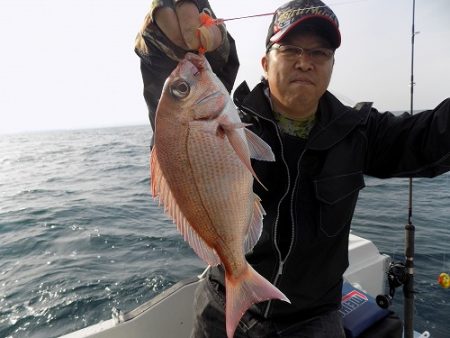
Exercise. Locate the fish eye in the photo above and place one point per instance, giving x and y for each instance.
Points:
(180, 89)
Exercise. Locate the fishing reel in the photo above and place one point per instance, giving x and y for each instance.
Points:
(397, 276)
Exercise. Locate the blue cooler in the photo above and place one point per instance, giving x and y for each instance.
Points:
(359, 311)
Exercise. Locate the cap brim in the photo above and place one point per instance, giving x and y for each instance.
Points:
(331, 29)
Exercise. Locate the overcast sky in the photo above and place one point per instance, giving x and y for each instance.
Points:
(68, 64)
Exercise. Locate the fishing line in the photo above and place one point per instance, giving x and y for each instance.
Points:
(220, 21)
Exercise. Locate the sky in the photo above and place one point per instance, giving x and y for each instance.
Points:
(70, 64)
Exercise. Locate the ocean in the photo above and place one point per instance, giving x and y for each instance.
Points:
(80, 233)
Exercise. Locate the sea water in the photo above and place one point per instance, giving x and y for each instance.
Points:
(80, 233)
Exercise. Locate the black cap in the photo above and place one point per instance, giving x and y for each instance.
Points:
(296, 12)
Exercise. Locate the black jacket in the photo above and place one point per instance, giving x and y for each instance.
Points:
(305, 251)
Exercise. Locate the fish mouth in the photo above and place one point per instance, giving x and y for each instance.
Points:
(208, 97)
(212, 106)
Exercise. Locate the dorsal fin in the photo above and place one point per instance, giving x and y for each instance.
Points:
(161, 191)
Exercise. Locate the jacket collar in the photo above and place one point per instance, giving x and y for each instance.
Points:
(334, 120)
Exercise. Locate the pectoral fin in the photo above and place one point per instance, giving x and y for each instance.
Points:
(250, 146)
(259, 149)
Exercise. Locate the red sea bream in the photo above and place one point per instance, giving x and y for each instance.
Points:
(201, 172)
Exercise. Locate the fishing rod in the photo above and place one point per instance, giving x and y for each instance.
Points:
(408, 286)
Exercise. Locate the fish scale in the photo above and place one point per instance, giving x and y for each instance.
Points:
(225, 198)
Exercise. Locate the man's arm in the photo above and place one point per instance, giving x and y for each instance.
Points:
(159, 55)
(409, 146)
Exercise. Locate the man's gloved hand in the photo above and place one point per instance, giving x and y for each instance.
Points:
(177, 26)
(181, 23)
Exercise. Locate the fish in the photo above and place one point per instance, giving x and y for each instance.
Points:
(201, 173)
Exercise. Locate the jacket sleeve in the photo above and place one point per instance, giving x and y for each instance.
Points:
(161, 56)
(409, 146)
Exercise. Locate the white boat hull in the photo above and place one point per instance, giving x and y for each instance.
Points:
(169, 315)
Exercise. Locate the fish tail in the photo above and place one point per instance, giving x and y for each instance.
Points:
(243, 292)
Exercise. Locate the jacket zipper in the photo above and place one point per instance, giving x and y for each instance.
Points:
(281, 260)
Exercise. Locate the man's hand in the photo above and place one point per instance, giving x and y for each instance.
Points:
(182, 25)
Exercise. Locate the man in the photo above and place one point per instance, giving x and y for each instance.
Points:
(323, 150)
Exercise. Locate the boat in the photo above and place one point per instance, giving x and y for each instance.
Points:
(169, 314)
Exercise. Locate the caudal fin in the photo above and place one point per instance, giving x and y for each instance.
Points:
(241, 293)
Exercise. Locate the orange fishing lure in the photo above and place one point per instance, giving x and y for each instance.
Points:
(205, 22)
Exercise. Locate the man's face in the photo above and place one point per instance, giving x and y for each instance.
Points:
(297, 83)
